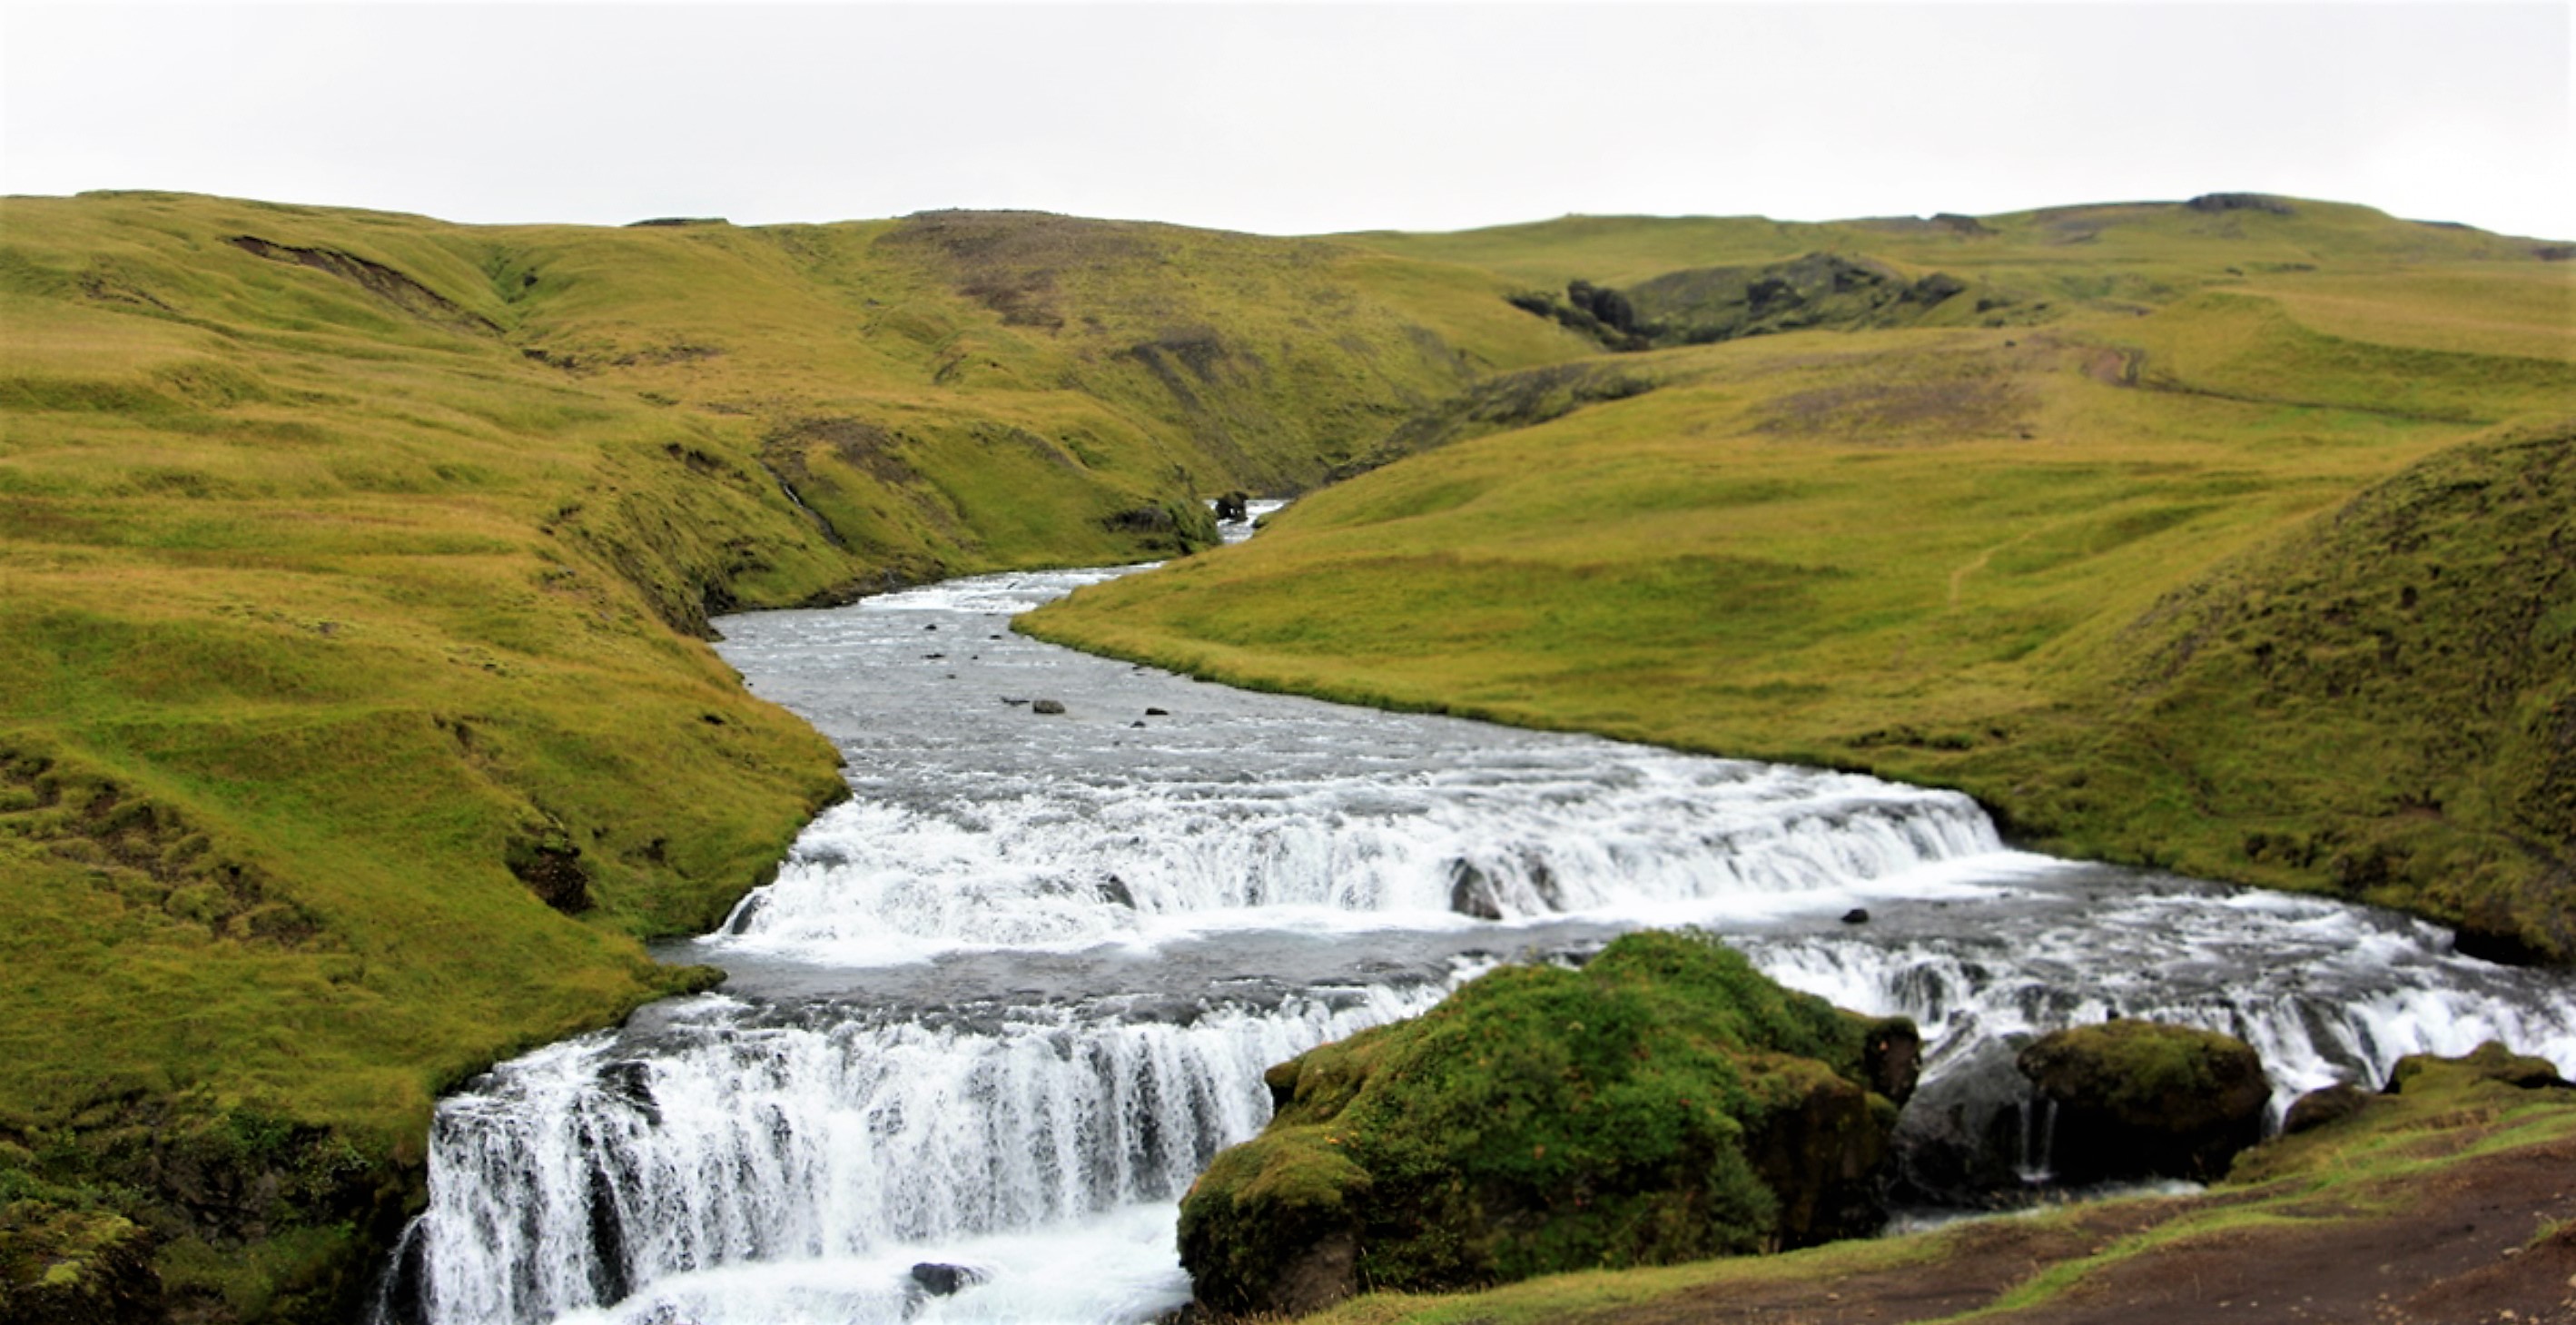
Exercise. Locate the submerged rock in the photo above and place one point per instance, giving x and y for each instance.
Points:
(1665, 1103)
(2142, 1099)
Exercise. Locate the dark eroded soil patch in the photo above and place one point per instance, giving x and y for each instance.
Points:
(2481, 1243)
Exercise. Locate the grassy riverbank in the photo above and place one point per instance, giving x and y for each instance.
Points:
(2270, 582)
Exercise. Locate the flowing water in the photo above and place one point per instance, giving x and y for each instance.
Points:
(999, 1009)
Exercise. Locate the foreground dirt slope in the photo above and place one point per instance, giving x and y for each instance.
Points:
(2447, 1205)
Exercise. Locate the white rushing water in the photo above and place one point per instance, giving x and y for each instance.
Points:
(998, 1010)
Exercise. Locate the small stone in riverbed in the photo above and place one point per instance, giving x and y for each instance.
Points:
(1157, 713)
(1046, 706)
(1858, 915)
(1137, 723)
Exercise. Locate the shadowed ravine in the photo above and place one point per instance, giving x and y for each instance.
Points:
(1000, 1008)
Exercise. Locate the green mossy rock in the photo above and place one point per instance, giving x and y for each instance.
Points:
(1665, 1103)
(68, 1266)
(2490, 1061)
(2142, 1099)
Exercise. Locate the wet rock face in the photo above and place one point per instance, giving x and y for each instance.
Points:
(1964, 1139)
(2141, 1099)
(1665, 1103)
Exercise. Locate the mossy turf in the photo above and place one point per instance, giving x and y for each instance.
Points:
(1665, 1102)
(2379, 1169)
(356, 718)
(2243, 547)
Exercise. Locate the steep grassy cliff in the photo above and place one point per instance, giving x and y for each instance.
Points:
(355, 715)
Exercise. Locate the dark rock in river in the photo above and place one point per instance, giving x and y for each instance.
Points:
(1891, 1058)
(1665, 1103)
(631, 1080)
(1858, 915)
(1047, 706)
(1234, 507)
(2142, 1099)
(943, 1280)
(1964, 1138)
(1472, 892)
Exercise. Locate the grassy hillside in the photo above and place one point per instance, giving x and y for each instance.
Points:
(356, 719)
(355, 715)
(2265, 581)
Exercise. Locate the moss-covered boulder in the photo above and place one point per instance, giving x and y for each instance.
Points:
(2490, 1061)
(2142, 1099)
(1667, 1102)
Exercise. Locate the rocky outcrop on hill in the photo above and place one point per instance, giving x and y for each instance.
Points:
(1665, 1103)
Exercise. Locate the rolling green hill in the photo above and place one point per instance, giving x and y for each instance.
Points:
(356, 719)
(355, 714)
(2234, 537)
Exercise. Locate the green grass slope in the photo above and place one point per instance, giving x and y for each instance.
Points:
(355, 715)
(2264, 581)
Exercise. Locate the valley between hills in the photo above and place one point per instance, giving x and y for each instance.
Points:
(359, 723)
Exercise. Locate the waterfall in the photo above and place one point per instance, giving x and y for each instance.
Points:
(997, 1011)
(599, 1165)
(2323, 991)
(1078, 864)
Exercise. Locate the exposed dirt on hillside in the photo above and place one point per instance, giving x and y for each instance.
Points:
(2482, 1241)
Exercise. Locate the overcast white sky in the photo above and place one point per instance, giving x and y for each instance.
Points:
(1296, 118)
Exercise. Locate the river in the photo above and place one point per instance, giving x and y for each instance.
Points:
(998, 1009)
